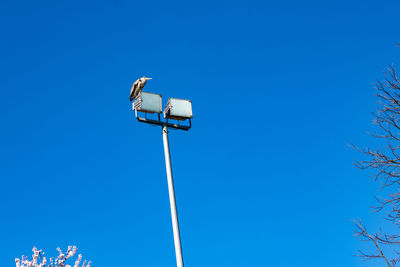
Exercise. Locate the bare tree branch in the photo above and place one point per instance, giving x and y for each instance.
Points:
(376, 239)
(385, 161)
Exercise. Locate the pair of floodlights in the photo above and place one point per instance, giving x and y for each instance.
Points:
(175, 109)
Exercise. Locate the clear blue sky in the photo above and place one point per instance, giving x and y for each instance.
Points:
(264, 177)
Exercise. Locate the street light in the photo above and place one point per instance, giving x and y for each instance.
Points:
(175, 109)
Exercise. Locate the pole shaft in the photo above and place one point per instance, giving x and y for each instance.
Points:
(172, 202)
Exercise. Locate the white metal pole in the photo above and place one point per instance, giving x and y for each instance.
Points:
(172, 202)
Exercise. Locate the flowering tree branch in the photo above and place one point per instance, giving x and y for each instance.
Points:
(39, 260)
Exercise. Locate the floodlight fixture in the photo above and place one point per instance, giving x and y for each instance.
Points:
(148, 102)
(178, 109)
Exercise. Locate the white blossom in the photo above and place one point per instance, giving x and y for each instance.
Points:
(78, 260)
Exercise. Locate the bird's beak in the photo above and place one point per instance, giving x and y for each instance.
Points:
(149, 78)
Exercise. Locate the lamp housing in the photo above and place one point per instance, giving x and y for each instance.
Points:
(178, 109)
(148, 102)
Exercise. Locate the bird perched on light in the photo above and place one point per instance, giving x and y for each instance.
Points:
(137, 87)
